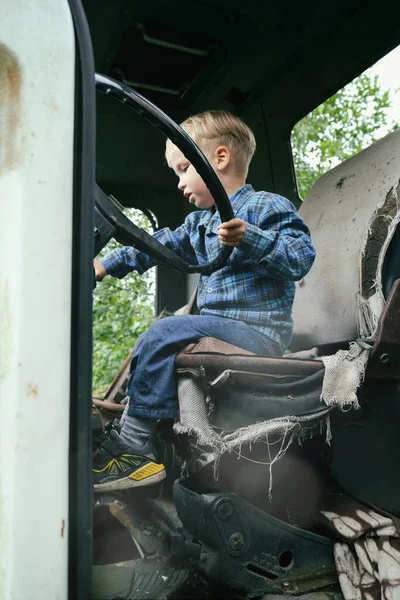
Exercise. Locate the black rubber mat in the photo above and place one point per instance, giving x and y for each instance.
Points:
(162, 584)
(155, 580)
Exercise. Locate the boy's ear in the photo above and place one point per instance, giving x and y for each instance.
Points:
(222, 157)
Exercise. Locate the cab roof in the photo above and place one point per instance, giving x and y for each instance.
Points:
(269, 62)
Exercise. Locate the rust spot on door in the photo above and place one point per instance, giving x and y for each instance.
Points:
(10, 109)
(33, 390)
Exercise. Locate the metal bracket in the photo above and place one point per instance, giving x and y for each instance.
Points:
(384, 360)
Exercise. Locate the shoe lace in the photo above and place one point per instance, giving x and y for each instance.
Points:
(110, 426)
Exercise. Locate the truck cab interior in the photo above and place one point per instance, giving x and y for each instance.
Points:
(271, 65)
(227, 526)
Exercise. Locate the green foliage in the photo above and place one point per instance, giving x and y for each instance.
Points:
(122, 310)
(343, 125)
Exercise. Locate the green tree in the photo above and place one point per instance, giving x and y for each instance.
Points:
(122, 310)
(343, 125)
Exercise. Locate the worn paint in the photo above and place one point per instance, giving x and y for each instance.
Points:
(381, 229)
(10, 116)
(36, 145)
(32, 390)
(10, 109)
(374, 245)
(5, 362)
(5, 329)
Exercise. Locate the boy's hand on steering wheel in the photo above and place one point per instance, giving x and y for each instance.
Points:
(231, 233)
(99, 270)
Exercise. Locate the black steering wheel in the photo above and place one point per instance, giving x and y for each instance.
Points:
(110, 220)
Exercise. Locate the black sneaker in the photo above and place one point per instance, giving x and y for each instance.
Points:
(104, 434)
(116, 466)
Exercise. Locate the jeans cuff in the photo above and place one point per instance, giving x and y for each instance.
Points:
(137, 411)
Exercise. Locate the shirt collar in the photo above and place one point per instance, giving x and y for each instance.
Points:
(238, 197)
(236, 200)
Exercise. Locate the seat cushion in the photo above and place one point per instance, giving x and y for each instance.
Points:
(215, 355)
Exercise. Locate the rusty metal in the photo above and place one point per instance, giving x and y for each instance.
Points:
(148, 539)
(384, 360)
(103, 405)
(111, 403)
(116, 391)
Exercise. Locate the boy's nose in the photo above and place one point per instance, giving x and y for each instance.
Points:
(181, 185)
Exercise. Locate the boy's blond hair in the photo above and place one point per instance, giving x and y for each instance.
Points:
(223, 128)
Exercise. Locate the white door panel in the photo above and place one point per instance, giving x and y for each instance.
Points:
(37, 64)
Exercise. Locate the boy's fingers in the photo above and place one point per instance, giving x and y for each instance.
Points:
(225, 243)
(231, 238)
(231, 235)
(232, 231)
(230, 224)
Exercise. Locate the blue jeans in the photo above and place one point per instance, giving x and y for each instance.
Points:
(152, 385)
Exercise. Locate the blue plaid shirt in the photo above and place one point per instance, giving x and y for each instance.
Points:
(257, 283)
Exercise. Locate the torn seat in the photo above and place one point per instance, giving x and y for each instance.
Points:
(247, 410)
(353, 213)
(290, 385)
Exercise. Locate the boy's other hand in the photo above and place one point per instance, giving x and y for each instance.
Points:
(231, 233)
(99, 270)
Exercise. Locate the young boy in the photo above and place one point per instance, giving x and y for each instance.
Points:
(247, 303)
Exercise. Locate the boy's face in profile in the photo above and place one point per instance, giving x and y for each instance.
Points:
(190, 183)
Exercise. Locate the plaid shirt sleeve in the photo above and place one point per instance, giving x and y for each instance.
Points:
(122, 261)
(278, 238)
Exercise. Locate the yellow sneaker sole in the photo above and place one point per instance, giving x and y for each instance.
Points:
(147, 475)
